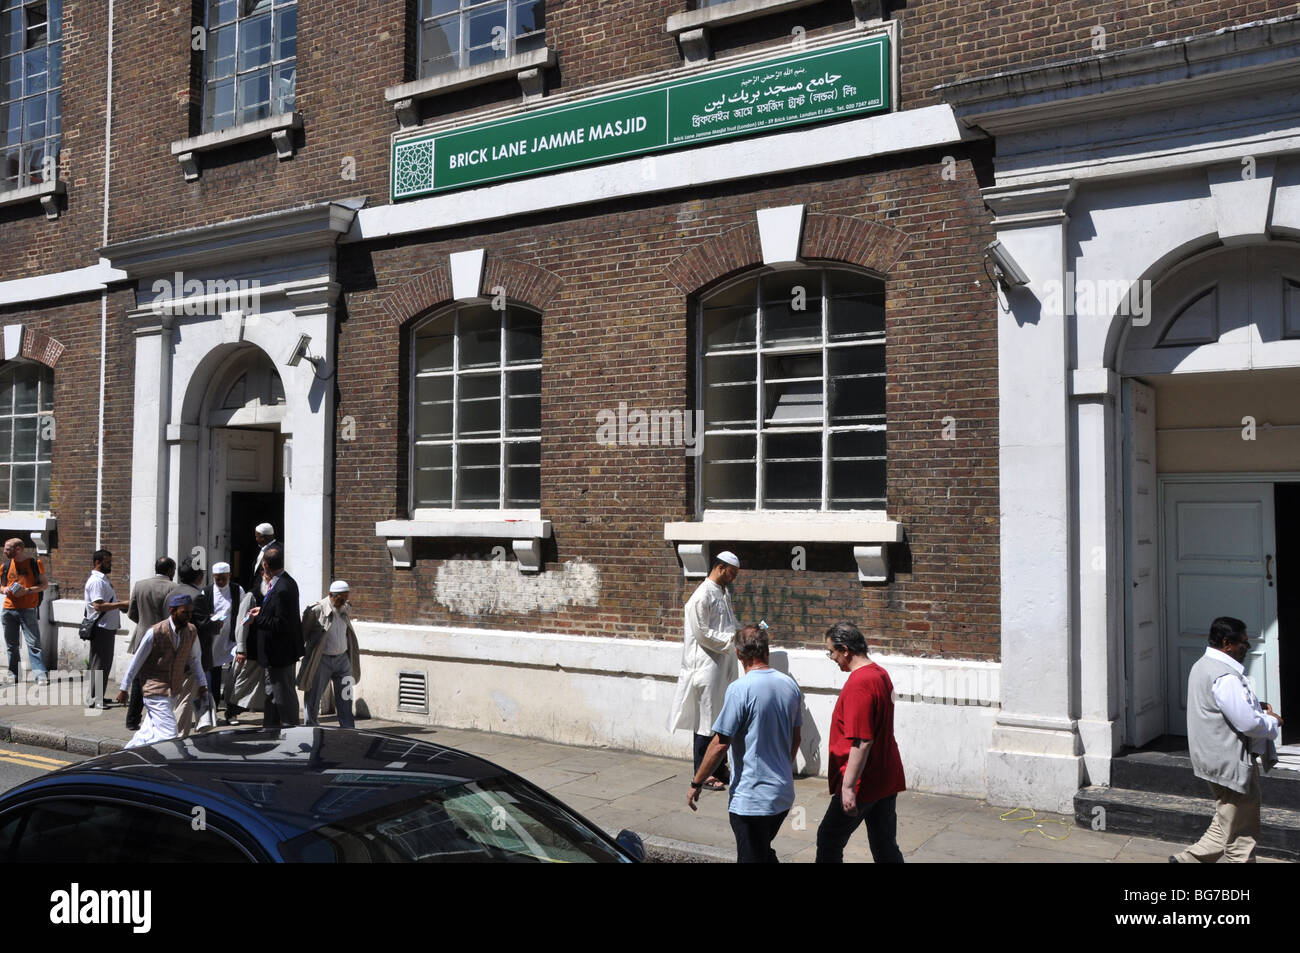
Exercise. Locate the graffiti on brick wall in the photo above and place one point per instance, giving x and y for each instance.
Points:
(782, 606)
(484, 587)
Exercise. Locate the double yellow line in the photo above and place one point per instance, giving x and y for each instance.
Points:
(39, 762)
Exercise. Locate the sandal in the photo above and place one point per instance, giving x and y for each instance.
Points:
(713, 784)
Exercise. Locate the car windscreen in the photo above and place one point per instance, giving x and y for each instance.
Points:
(487, 820)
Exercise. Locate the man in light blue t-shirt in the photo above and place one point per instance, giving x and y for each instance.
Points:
(760, 723)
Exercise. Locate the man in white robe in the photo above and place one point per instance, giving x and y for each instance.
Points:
(166, 656)
(708, 662)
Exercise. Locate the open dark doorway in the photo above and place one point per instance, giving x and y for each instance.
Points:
(1286, 502)
(246, 511)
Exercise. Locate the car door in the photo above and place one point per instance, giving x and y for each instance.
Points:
(92, 829)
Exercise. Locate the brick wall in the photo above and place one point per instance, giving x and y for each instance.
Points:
(620, 329)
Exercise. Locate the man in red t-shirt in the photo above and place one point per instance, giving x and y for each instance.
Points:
(22, 583)
(865, 770)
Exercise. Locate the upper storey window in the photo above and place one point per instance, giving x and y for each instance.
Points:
(31, 91)
(456, 34)
(250, 64)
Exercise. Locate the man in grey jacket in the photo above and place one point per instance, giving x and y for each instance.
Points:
(1227, 728)
(148, 608)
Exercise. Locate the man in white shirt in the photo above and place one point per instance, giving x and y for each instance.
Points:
(221, 598)
(1227, 729)
(101, 604)
(708, 665)
(264, 535)
(166, 653)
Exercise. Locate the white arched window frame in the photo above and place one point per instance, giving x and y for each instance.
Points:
(26, 436)
(791, 378)
(475, 412)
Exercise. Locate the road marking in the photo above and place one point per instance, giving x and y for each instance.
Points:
(32, 760)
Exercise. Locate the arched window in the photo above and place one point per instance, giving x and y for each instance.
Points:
(792, 382)
(476, 410)
(26, 432)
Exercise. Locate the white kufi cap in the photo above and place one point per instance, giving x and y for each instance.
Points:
(728, 557)
(337, 586)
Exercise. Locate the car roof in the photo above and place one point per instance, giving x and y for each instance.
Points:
(292, 779)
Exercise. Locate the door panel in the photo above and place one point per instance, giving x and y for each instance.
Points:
(1219, 547)
(242, 461)
(1146, 696)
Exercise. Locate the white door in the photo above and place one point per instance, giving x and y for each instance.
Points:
(1219, 559)
(242, 462)
(1146, 669)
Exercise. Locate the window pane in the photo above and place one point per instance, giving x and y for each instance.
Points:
(25, 433)
(25, 391)
(487, 26)
(729, 390)
(729, 472)
(857, 308)
(857, 469)
(286, 33)
(221, 53)
(55, 61)
(857, 385)
(34, 119)
(44, 430)
(479, 405)
(4, 487)
(34, 68)
(43, 488)
(792, 389)
(478, 474)
(792, 307)
(430, 8)
(434, 347)
(523, 474)
(47, 393)
(792, 472)
(729, 318)
(12, 40)
(6, 439)
(221, 11)
(439, 46)
(24, 491)
(524, 408)
(433, 476)
(11, 79)
(55, 13)
(254, 43)
(254, 100)
(480, 338)
(283, 87)
(221, 98)
(530, 15)
(523, 337)
(433, 408)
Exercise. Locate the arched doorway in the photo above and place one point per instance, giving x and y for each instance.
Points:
(246, 451)
(1211, 435)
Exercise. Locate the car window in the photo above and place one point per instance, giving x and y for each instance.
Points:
(488, 820)
(88, 830)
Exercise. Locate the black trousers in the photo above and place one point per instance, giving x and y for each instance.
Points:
(135, 706)
(882, 831)
(754, 836)
(723, 771)
(101, 660)
(214, 684)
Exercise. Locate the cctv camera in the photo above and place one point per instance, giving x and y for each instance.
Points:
(1005, 267)
(300, 351)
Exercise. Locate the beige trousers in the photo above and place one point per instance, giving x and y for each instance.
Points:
(1234, 829)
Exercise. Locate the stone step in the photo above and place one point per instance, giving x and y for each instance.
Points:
(1165, 772)
(1181, 819)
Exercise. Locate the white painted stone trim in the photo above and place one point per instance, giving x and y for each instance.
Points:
(13, 341)
(466, 273)
(29, 522)
(737, 11)
(527, 67)
(279, 128)
(779, 232)
(786, 531)
(60, 284)
(525, 535)
(44, 192)
(793, 150)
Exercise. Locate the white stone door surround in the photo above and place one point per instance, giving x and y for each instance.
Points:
(1110, 171)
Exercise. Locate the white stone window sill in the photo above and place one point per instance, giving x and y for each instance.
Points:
(46, 193)
(526, 67)
(38, 524)
(869, 534)
(279, 128)
(525, 530)
(691, 27)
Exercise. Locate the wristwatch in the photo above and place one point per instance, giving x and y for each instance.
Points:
(697, 785)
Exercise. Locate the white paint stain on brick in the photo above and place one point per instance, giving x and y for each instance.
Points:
(477, 587)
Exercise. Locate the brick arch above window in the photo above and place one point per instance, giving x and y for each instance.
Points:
(36, 346)
(842, 238)
(524, 284)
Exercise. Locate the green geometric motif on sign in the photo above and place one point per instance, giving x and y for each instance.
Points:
(413, 169)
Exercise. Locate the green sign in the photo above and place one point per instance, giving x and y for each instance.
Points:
(821, 84)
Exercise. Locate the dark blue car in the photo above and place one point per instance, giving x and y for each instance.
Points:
(300, 794)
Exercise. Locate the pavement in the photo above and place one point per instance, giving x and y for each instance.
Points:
(620, 789)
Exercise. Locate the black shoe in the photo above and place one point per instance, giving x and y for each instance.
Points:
(1173, 859)
(133, 727)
